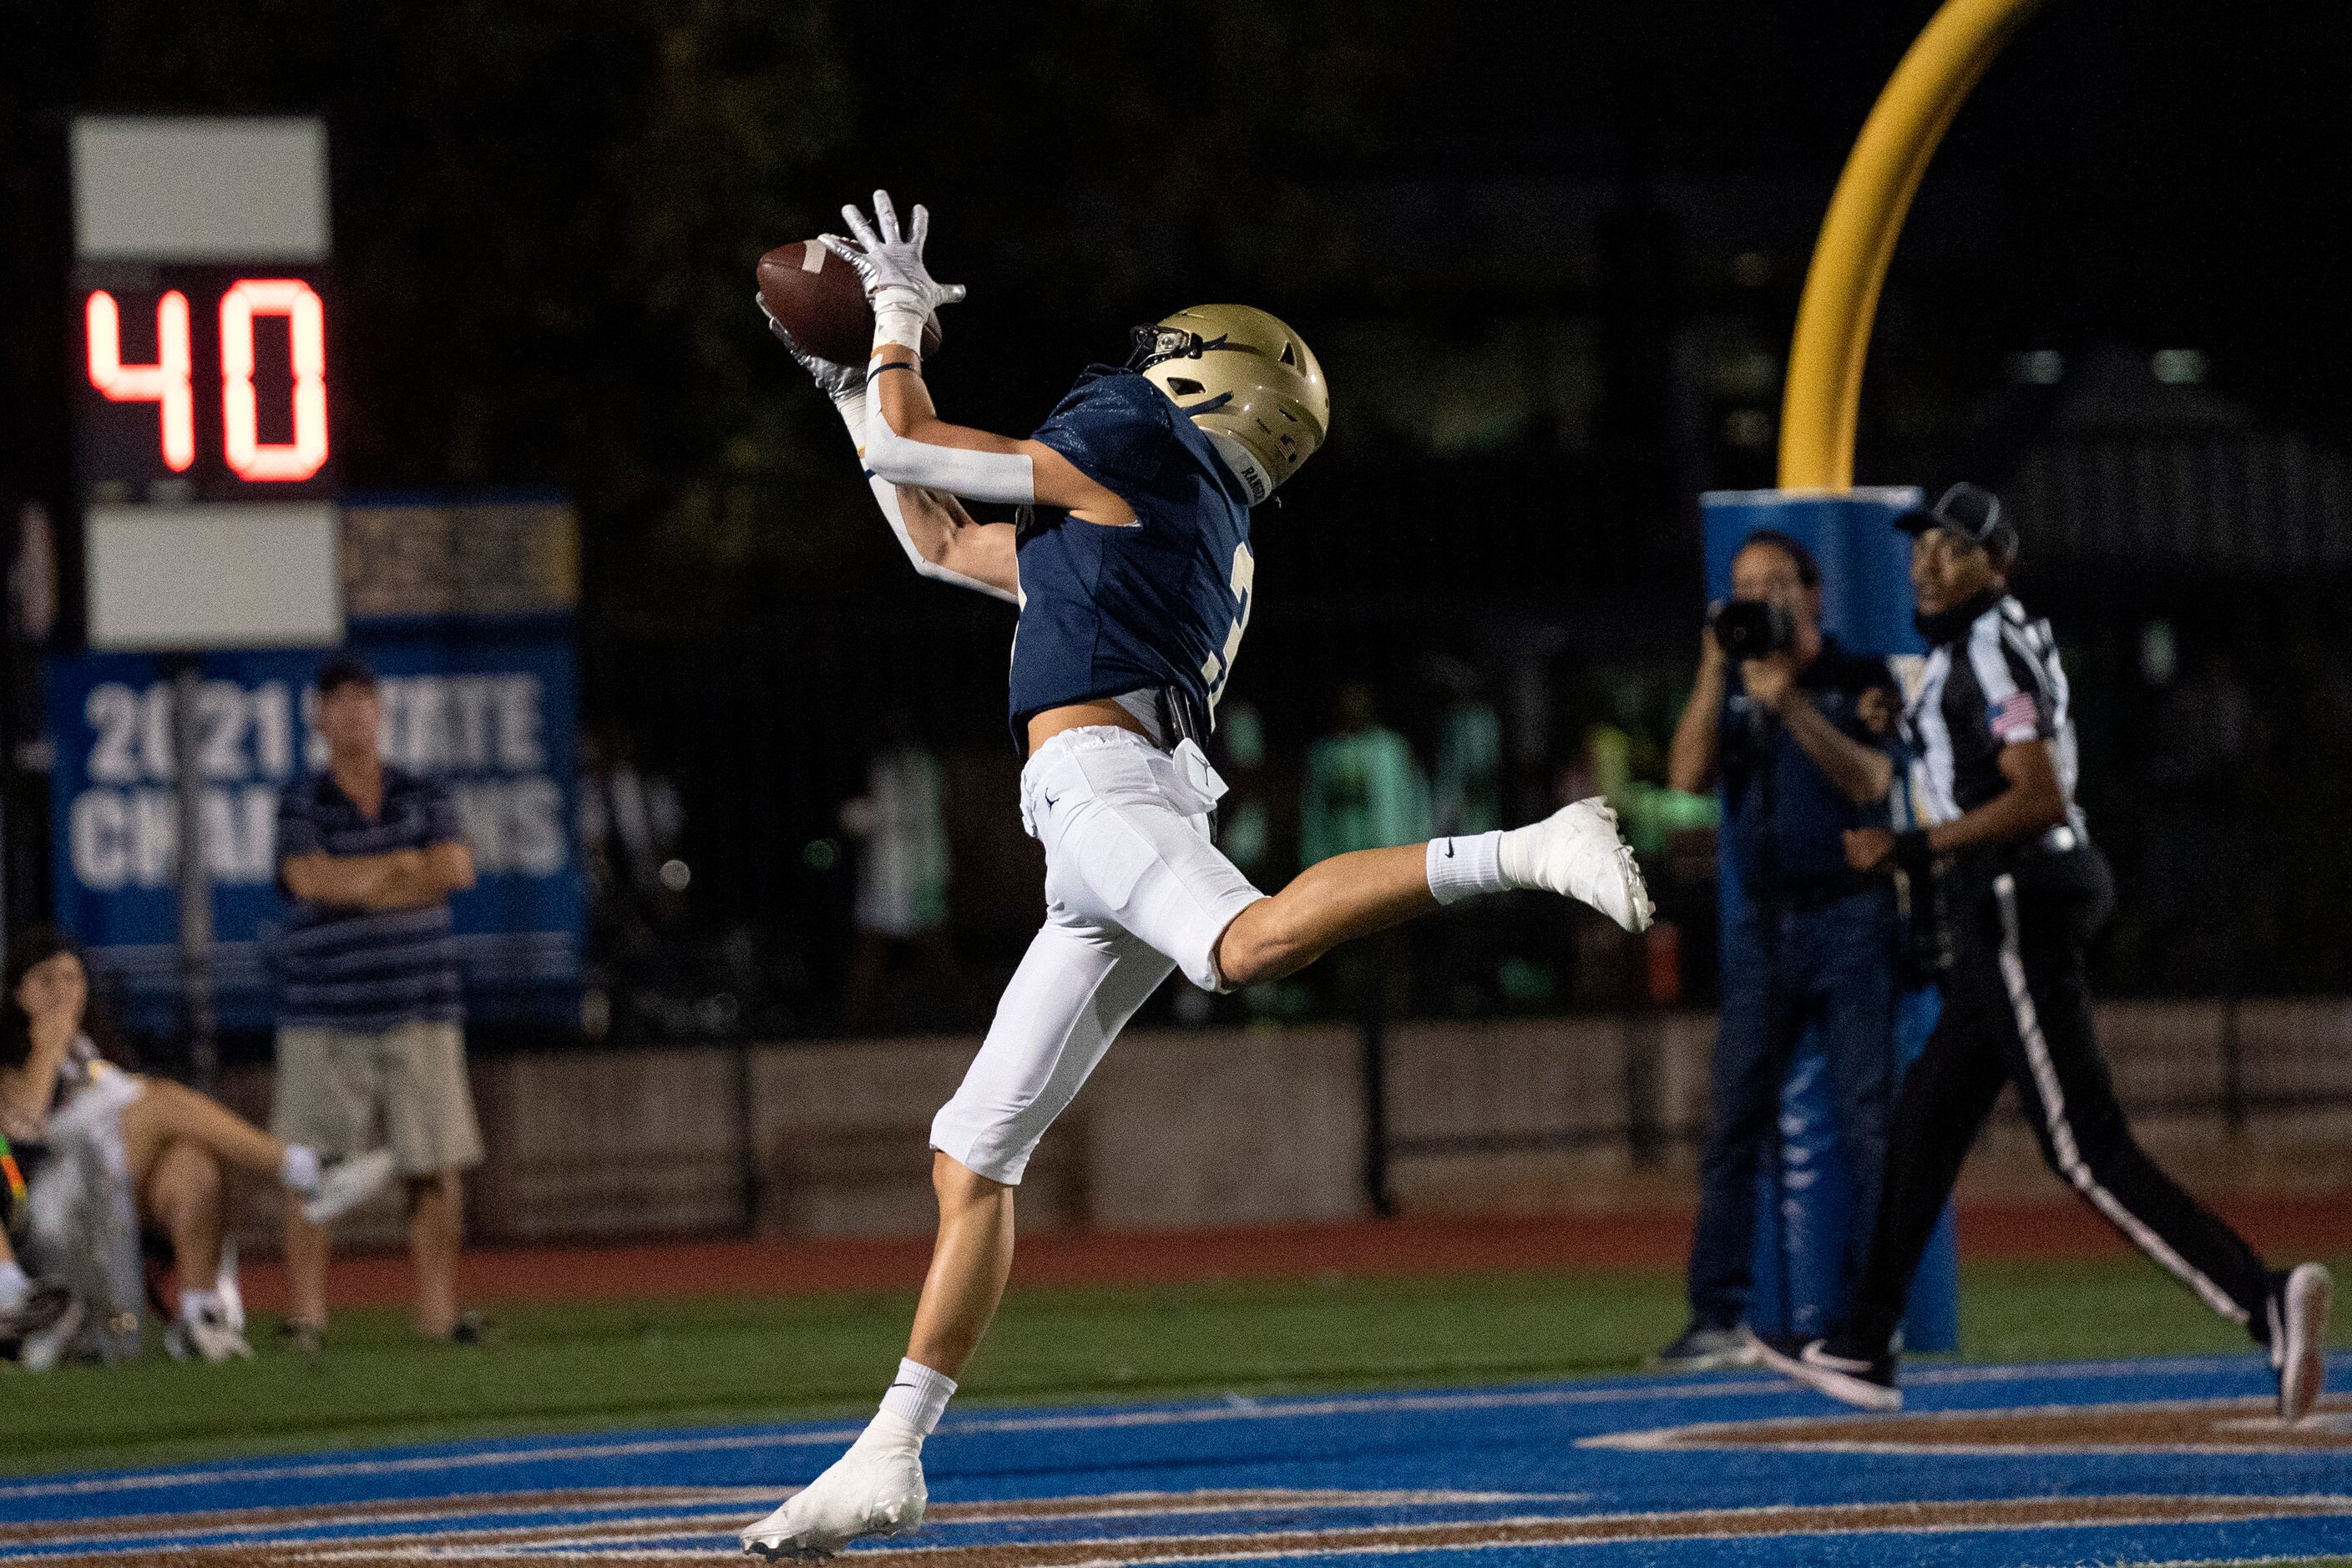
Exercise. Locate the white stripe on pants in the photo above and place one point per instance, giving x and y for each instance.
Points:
(2069, 1157)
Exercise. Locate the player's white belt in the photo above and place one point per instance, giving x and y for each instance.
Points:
(1194, 789)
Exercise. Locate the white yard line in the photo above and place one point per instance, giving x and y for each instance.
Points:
(1232, 1411)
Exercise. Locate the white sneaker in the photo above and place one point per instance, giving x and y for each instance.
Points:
(345, 1184)
(876, 1488)
(206, 1335)
(1576, 851)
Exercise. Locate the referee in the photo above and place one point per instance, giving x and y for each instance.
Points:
(2025, 890)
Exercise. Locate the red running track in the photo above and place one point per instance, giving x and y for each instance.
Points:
(2282, 1227)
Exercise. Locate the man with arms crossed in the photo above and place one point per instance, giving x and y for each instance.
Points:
(371, 1022)
(1133, 572)
(2026, 891)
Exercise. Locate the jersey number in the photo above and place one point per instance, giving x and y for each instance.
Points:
(1220, 665)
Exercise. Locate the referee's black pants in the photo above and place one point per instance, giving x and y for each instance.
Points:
(2017, 1009)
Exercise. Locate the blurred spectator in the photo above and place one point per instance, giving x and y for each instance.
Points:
(1467, 795)
(1801, 747)
(152, 1149)
(1364, 788)
(630, 824)
(1253, 830)
(902, 879)
(1245, 818)
(370, 1021)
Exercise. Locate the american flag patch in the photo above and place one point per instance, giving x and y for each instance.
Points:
(2015, 713)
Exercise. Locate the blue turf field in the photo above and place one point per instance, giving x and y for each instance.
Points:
(1589, 1473)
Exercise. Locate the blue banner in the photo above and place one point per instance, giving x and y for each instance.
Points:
(492, 712)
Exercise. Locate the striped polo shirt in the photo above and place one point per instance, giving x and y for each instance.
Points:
(356, 969)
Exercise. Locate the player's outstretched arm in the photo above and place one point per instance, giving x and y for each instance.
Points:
(940, 539)
(906, 440)
(955, 547)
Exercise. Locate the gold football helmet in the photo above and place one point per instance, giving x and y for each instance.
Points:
(1251, 384)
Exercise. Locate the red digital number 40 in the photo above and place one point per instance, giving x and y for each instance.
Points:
(168, 382)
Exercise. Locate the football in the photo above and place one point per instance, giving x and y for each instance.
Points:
(817, 296)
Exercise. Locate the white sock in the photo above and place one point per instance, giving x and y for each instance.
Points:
(14, 1285)
(919, 1396)
(300, 1171)
(193, 1302)
(1514, 851)
(1461, 867)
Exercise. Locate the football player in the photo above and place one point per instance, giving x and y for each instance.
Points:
(1132, 570)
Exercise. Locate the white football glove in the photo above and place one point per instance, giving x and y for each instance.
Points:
(841, 383)
(899, 285)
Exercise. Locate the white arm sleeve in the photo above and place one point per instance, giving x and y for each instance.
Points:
(1004, 477)
(886, 496)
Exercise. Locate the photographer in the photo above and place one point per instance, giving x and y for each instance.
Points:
(1801, 746)
(2025, 890)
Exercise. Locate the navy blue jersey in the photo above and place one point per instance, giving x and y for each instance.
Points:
(1161, 603)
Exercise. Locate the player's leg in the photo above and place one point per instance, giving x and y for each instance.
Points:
(1574, 852)
(971, 1258)
(2069, 1098)
(1077, 985)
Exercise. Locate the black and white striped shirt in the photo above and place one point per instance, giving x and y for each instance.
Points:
(1997, 683)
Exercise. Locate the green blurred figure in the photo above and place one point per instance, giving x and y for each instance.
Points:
(1364, 788)
(1469, 783)
(1245, 825)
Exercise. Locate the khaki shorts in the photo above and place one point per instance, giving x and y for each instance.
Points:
(333, 1083)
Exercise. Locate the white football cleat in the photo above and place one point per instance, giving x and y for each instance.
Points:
(876, 1488)
(345, 1184)
(1576, 851)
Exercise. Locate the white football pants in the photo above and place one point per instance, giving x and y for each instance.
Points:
(1133, 889)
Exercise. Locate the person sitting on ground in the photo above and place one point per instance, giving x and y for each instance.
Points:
(173, 1140)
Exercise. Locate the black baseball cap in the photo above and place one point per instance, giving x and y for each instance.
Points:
(344, 670)
(1969, 510)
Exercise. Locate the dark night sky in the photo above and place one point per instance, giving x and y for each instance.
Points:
(2158, 173)
(546, 219)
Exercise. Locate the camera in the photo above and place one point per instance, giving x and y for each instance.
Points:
(1753, 628)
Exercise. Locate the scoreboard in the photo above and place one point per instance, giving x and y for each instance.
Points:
(202, 402)
(217, 547)
(202, 382)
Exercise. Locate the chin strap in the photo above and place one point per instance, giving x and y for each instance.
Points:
(1243, 465)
